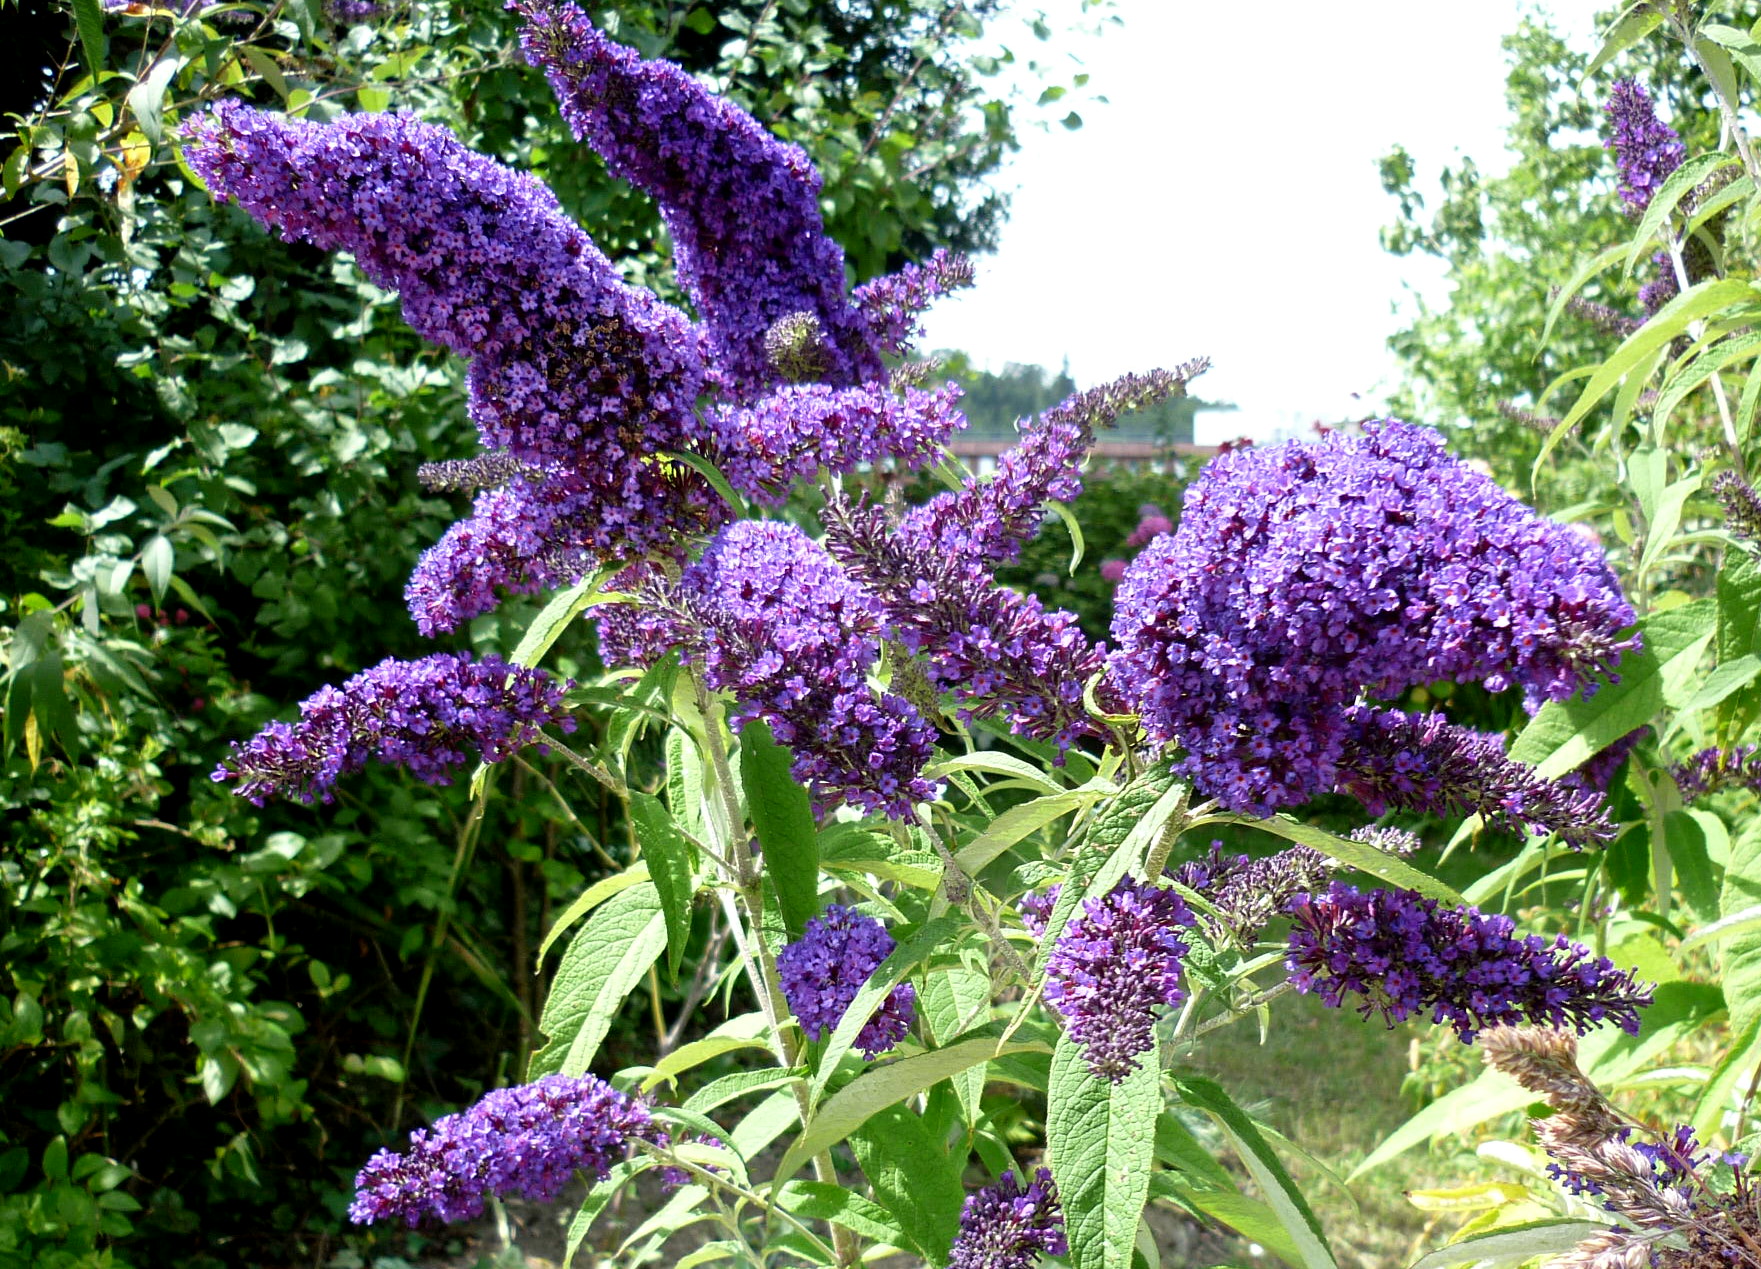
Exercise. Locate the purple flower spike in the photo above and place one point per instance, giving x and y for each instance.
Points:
(1645, 149)
(1711, 770)
(1008, 1226)
(891, 305)
(529, 1140)
(749, 246)
(1118, 959)
(1423, 762)
(1403, 954)
(1304, 576)
(1247, 892)
(775, 621)
(823, 970)
(430, 716)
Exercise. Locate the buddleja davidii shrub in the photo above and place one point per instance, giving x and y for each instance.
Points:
(822, 699)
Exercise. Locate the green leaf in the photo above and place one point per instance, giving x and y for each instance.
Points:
(670, 868)
(1740, 922)
(1011, 827)
(822, 1201)
(596, 1201)
(1742, 949)
(1246, 1216)
(904, 958)
(740, 1084)
(1565, 733)
(1696, 838)
(1738, 596)
(1263, 1164)
(1718, 357)
(744, 1032)
(1100, 1138)
(147, 98)
(782, 815)
(995, 762)
(158, 559)
(1511, 1245)
(88, 18)
(713, 474)
(265, 65)
(950, 996)
(603, 964)
(913, 1177)
(590, 899)
(1595, 265)
(1638, 21)
(873, 1091)
(1077, 544)
(1663, 202)
(556, 615)
(1363, 857)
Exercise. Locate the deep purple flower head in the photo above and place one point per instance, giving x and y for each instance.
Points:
(789, 435)
(749, 246)
(891, 304)
(1403, 954)
(1305, 575)
(1116, 961)
(573, 372)
(1742, 505)
(1645, 149)
(774, 620)
(430, 716)
(526, 1141)
(1248, 893)
(1711, 770)
(1008, 1226)
(822, 971)
(1425, 763)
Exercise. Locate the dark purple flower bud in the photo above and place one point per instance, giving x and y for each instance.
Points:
(1118, 959)
(485, 471)
(1006, 1226)
(1304, 576)
(1742, 505)
(1599, 769)
(774, 620)
(891, 304)
(526, 1141)
(1035, 909)
(1403, 953)
(1249, 893)
(1645, 149)
(1663, 286)
(430, 716)
(1424, 763)
(822, 971)
(791, 434)
(1713, 769)
(749, 246)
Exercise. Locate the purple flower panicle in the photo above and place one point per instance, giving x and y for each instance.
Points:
(822, 971)
(1035, 909)
(527, 1141)
(1304, 575)
(1742, 505)
(1404, 954)
(1118, 959)
(1247, 892)
(1425, 763)
(1009, 1226)
(1646, 150)
(749, 246)
(891, 305)
(430, 716)
(774, 620)
(1711, 770)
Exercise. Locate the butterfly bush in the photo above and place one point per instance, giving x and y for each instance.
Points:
(1009, 1225)
(1305, 575)
(822, 971)
(527, 1141)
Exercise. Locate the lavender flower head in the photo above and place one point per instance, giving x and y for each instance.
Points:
(1305, 575)
(891, 304)
(1117, 960)
(743, 207)
(1645, 149)
(822, 971)
(1711, 770)
(1404, 954)
(430, 716)
(527, 1141)
(778, 623)
(1008, 1226)
(1035, 909)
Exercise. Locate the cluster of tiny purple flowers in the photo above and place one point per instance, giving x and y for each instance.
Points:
(1403, 954)
(1711, 770)
(1009, 1226)
(822, 971)
(430, 716)
(1248, 893)
(1304, 575)
(1646, 151)
(1118, 959)
(526, 1141)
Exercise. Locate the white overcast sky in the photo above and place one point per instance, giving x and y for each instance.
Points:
(1225, 200)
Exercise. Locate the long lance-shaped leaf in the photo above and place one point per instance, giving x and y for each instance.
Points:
(603, 964)
(783, 817)
(1100, 1138)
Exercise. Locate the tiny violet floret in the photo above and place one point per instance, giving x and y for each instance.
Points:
(822, 971)
(1009, 1226)
(430, 716)
(1118, 959)
(1403, 954)
(526, 1141)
